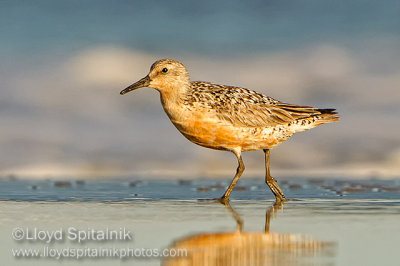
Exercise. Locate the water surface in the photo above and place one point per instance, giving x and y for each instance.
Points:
(328, 222)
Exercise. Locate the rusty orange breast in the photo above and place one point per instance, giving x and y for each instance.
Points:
(220, 135)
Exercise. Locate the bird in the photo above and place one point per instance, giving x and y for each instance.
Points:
(229, 118)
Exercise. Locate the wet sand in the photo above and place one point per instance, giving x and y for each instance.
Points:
(328, 222)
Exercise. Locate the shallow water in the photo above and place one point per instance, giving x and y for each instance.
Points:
(328, 222)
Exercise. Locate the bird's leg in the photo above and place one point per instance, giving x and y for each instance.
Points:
(225, 198)
(271, 182)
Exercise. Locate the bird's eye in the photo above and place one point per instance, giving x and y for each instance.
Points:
(165, 70)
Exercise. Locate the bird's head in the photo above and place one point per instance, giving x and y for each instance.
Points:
(165, 75)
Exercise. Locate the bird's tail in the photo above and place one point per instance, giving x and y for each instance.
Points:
(319, 117)
(327, 116)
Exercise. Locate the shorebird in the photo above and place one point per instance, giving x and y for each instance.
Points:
(229, 118)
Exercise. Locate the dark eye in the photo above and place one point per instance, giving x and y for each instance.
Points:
(165, 70)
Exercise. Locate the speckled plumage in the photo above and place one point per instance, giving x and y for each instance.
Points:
(255, 121)
(228, 118)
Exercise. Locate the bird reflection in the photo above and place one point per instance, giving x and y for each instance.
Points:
(250, 248)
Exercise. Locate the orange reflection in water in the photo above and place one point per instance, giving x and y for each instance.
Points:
(251, 248)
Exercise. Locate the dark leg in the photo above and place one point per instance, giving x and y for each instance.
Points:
(271, 182)
(225, 198)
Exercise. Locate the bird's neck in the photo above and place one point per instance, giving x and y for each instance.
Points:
(175, 95)
(173, 102)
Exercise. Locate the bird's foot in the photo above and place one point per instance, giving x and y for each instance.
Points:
(221, 200)
(279, 199)
(273, 185)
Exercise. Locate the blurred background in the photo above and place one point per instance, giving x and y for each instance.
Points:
(63, 64)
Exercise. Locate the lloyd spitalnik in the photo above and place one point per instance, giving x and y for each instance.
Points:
(74, 234)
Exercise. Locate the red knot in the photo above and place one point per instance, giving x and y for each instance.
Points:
(229, 118)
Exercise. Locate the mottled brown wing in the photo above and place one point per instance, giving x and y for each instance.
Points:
(243, 107)
(265, 115)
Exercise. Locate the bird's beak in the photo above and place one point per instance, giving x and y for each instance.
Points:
(144, 82)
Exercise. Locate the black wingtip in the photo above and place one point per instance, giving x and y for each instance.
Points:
(327, 111)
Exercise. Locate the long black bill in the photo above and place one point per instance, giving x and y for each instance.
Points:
(144, 82)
